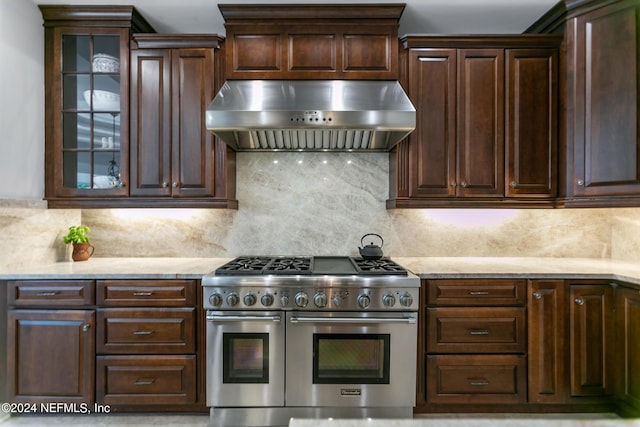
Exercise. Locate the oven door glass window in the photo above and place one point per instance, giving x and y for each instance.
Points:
(245, 358)
(351, 358)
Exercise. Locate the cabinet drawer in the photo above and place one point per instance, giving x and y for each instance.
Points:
(175, 293)
(145, 330)
(497, 379)
(145, 380)
(40, 293)
(476, 330)
(476, 292)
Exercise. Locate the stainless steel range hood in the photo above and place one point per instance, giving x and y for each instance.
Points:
(311, 115)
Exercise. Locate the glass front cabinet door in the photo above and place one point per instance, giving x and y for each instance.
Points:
(86, 103)
(91, 113)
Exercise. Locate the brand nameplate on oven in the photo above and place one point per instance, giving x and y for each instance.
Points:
(350, 392)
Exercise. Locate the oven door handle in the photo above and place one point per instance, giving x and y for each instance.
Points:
(409, 320)
(215, 318)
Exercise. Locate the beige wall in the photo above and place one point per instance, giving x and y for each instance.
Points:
(21, 100)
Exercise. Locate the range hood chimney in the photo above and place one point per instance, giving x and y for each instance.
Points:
(311, 115)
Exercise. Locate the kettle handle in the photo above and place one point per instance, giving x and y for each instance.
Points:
(372, 234)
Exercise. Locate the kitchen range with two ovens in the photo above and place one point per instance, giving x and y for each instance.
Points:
(310, 337)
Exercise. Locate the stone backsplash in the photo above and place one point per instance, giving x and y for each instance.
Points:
(319, 204)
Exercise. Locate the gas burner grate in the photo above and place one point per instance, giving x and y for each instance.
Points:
(244, 265)
(379, 266)
(293, 265)
(289, 265)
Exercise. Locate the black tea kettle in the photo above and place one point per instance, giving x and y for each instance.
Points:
(371, 251)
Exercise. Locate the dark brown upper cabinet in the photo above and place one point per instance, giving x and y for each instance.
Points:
(600, 150)
(124, 113)
(87, 102)
(486, 131)
(175, 161)
(278, 41)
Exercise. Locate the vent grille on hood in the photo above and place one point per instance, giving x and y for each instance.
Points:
(314, 115)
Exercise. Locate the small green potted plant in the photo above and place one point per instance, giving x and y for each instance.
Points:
(82, 249)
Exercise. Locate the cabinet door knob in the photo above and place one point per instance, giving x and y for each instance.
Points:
(579, 301)
(454, 184)
(165, 184)
(175, 184)
(580, 182)
(513, 184)
(464, 183)
(537, 295)
(86, 327)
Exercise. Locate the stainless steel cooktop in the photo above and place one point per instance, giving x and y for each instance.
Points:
(322, 283)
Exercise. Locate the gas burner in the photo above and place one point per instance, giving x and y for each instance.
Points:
(310, 266)
(289, 265)
(244, 265)
(375, 266)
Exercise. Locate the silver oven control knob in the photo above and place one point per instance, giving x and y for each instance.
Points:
(284, 300)
(215, 300)
(266, 300)
(232, 299)
(364, 301)
(406, 299)
(388, 300)
(320, 299)
(301, 299)
(337, 300)
(249, 299)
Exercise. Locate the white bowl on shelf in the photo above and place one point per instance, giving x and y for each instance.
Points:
(103, 63)
(103, 100)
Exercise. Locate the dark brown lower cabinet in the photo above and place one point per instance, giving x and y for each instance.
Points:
(563, 349)
(546, 341)
(475, 344)
(146, 380)
(147, 338)
(590, 309)
(627, 358)
(477, 379)
(570, 342)
(51, 356)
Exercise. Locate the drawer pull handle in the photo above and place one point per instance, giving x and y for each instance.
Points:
(478, 382)
(478, 331)
(144, 382)
(142, 294)
(478, 293)
(47, 293)
(142, 332)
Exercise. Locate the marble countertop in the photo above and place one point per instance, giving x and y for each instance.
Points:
(425, 267)
(525, 267)
(116, 268)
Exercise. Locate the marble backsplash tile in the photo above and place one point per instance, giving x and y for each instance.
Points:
(31, 233)
(625, 233)
(320, 204)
